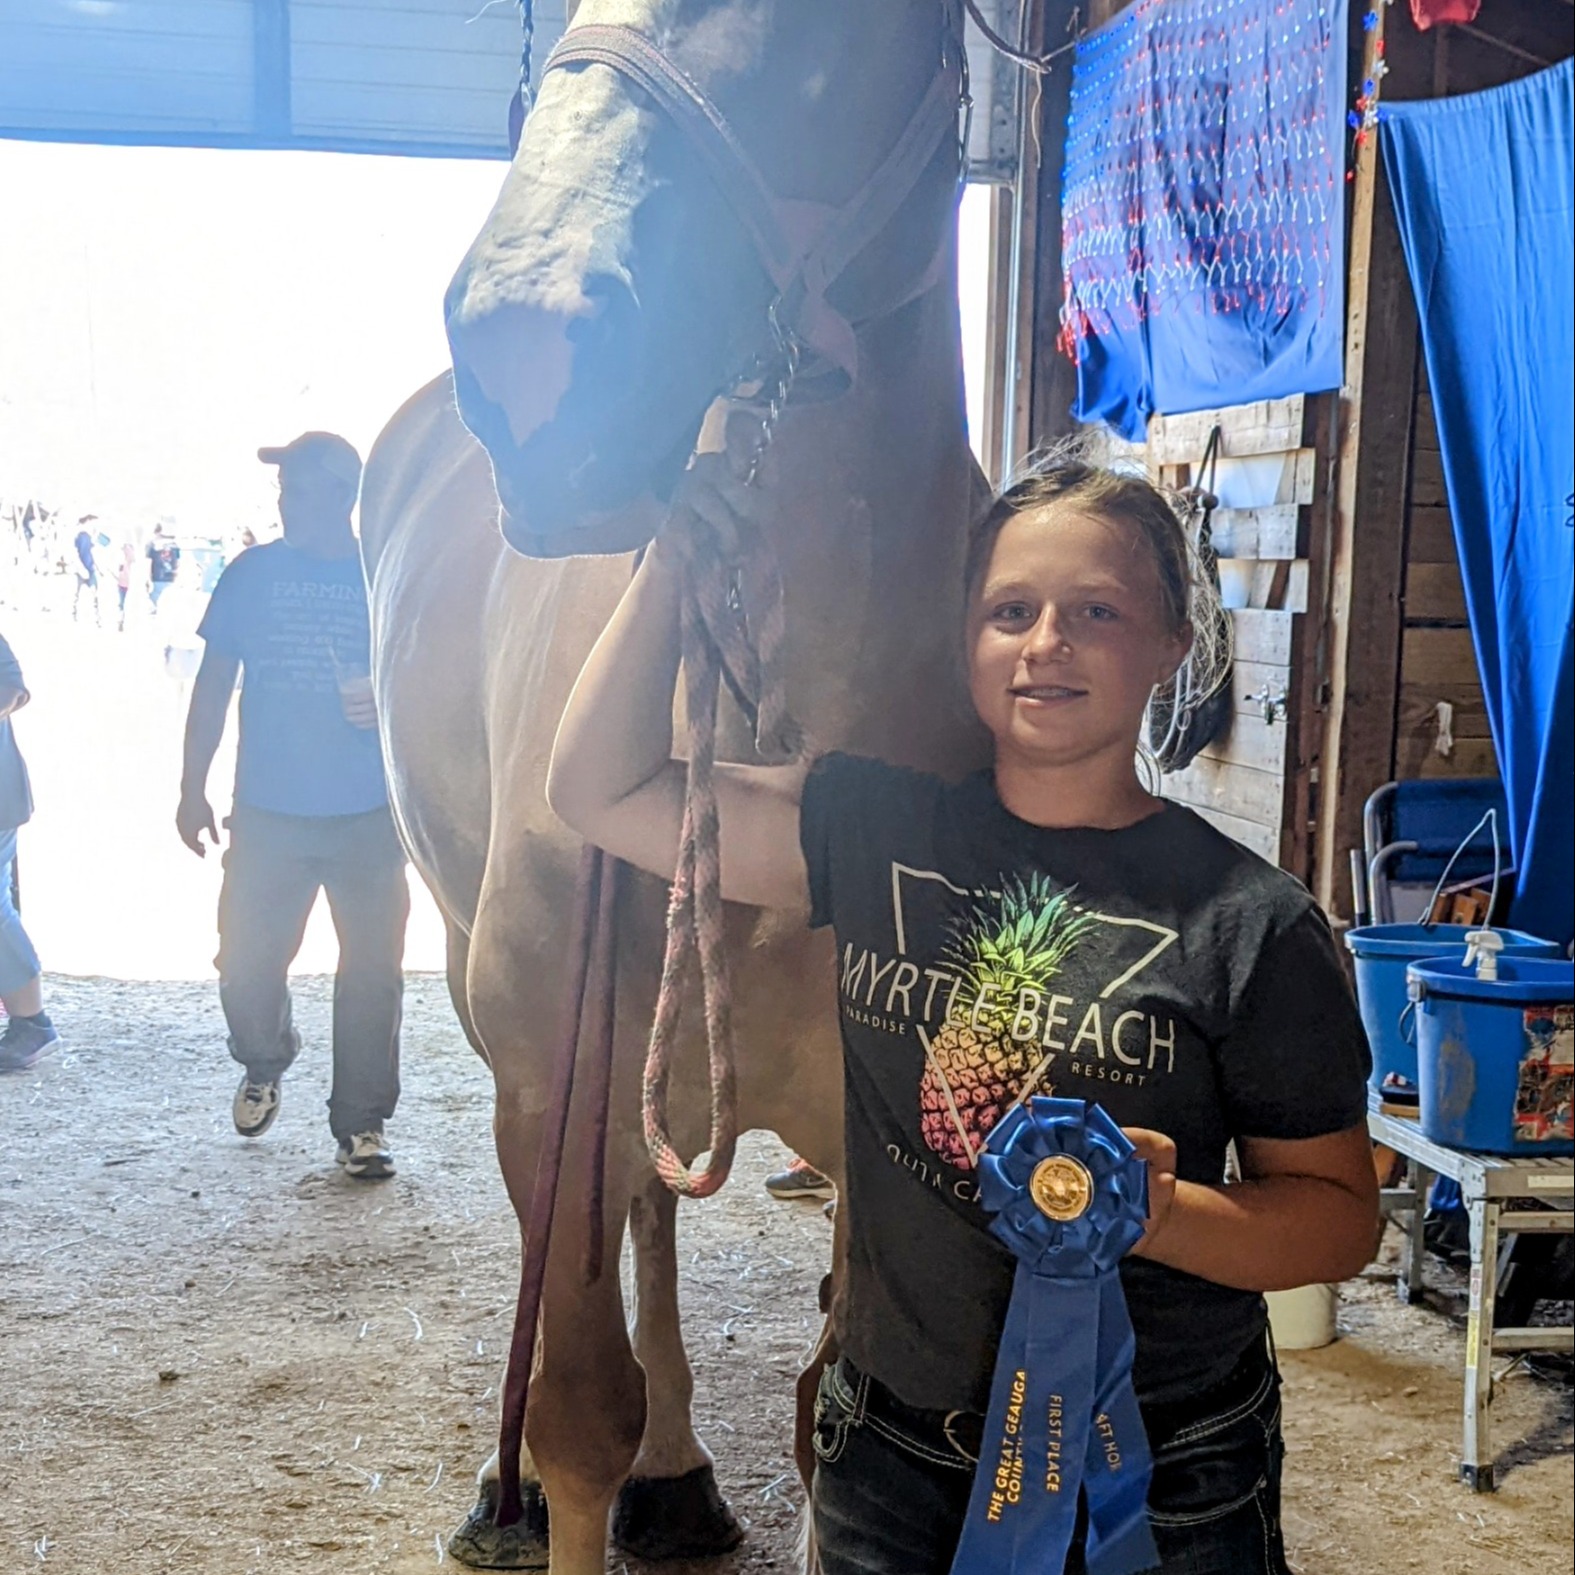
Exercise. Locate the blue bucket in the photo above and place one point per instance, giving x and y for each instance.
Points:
(1497, 1056)
(1382, 953)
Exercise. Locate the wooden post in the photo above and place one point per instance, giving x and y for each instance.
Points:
(998, 332)
(1358, 662)
(1054, 377)
(1022, 299)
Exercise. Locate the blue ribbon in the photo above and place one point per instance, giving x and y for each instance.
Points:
(1063, 1421)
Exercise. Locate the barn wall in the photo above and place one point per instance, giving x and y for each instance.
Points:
(1436, 661)
(1249, 782)
(1354, 630)
(1394, 629)
(1438, 666)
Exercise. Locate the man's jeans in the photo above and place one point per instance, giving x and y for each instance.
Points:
(273, 869)
(891, 1483)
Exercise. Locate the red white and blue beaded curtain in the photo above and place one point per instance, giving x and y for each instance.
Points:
(1203, 207)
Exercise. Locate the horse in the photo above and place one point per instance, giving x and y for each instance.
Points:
(618, 291)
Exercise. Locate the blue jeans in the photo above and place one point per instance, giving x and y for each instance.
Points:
(18, 960)
(892, 1484)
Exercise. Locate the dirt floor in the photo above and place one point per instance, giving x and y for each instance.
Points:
(224, 1358)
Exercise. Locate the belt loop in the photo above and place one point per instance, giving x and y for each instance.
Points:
(861, 1395)
(953, 1440)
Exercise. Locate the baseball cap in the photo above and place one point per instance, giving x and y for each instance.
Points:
(325, 450)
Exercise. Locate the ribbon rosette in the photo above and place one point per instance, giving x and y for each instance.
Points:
(1070, 1197)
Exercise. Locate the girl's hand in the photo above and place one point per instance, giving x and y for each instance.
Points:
(713, 501)
(1159, 1152)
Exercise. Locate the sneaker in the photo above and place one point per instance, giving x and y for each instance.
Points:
(26, 1041)
(256, 1104)
(365, 1155)
(800, 1180)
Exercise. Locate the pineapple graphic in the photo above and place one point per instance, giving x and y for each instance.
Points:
(974, 1070)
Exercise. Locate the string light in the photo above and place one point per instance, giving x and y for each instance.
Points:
(1202, 165)
(1363, 118)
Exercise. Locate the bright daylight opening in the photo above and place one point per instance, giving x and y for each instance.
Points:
(163, 312)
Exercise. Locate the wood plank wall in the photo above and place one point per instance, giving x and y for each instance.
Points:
(1245, 781)
(1438, 665)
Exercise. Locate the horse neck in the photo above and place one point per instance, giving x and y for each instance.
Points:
(876, 491)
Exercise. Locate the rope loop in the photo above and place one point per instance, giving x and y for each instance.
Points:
(719, 638)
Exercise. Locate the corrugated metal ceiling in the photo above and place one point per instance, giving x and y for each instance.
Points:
(378, 76)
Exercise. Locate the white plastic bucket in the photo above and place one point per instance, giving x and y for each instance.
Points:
(1303, 1319)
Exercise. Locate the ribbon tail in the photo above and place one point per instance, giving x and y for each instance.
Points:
(1118, 1465)
(1023, 1509)
(1064, 1379)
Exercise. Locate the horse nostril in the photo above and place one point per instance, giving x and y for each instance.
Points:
(485, 418)
(516, 358)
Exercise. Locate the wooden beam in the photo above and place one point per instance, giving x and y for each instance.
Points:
(1536, 62)
(1360, 657)
(1050, 381)
(998, 336)
(1300, 711)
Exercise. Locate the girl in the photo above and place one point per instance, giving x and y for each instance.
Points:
(1046, 925)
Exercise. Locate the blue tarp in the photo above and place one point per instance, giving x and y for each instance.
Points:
(1484, 188)
(1203, 207)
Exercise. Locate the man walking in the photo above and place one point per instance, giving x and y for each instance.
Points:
(311, 806)
(164, 562)
(87, 567)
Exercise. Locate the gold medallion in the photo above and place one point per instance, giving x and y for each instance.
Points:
(1061, 1188)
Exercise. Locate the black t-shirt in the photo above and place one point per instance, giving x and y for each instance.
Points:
(1162, 969)
(164, 559)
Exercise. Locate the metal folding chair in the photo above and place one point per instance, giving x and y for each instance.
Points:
(1411, 829)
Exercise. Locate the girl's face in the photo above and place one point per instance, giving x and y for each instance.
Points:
(1068, 634)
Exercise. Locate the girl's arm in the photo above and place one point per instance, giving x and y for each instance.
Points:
(1305, 1212)
(613, 778)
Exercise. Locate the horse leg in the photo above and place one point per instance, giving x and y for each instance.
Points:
(587, 1402)
(456, 956)
(670, 1508)
(479, 1541)
(483, 1545)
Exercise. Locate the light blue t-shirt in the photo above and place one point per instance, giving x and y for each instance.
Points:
(297, 623)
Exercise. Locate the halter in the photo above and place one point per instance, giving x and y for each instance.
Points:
(804, 248)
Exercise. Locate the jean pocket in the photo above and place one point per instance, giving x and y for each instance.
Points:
(834, 1418)
(1213, 1466)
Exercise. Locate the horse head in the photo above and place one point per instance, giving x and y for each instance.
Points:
(698, 182)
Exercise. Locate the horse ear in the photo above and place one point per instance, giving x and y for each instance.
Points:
(516, 121)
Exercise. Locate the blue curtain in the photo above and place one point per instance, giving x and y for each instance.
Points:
(1483, 190)
(1203, 207)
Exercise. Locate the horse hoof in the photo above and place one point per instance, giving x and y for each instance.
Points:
(485, 1546)
(675, 1517)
